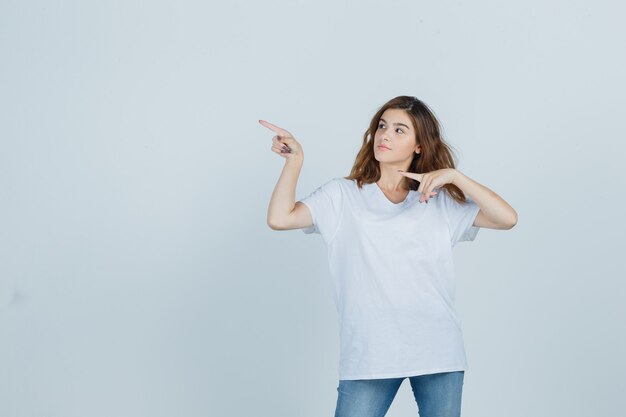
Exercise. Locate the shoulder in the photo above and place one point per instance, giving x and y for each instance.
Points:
(338, 185)
(343, 182)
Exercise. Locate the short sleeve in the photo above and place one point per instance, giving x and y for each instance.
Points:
(460, 217)
(325, 204)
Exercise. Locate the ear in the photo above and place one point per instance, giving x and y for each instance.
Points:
(417, 149)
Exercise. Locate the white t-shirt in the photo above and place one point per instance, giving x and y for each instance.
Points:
(392, 272)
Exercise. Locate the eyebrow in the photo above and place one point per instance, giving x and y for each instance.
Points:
(396, 124)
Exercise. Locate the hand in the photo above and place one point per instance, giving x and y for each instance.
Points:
(431, 181)
(283, 143)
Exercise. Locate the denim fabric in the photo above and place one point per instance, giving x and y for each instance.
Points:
(436, 395)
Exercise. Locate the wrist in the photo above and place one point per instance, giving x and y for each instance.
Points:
(295, 159)
(457, 177)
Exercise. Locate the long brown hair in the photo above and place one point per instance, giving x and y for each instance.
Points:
(435, 152)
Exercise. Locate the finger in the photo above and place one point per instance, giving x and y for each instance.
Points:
(284, 145)
(281, 148)
(277, 140)
(430, 186)
(279, 130)
(433, 187)
(429, 195)
(413, 175)
(286, 140)
(426, 196)
(421, 186)
(428, 182)
(281, 152)
(287, 152)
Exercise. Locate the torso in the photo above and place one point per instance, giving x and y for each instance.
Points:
(390, 261)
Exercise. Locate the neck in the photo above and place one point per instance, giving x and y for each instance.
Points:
(391, 180)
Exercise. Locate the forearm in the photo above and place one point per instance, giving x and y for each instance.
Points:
(284, 196)
(491, 204)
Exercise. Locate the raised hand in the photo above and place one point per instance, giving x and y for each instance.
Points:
(431, 181)
(283, 143)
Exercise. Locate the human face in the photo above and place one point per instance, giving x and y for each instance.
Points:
(397, 136)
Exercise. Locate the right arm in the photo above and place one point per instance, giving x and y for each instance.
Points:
(284, 213)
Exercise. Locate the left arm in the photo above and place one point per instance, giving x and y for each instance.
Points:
(495, 213)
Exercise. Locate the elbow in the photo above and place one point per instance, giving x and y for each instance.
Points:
(273, 225)
(512, 222)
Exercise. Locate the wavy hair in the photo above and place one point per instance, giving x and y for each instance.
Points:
(435, 152)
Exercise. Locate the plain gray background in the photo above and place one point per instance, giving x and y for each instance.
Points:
(138, 276)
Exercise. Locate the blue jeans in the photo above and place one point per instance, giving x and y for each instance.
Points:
(436, 395)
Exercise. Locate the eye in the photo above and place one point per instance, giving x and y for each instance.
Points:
(380, 125)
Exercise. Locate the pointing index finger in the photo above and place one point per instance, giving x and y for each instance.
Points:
(280, 131)
(413, 175)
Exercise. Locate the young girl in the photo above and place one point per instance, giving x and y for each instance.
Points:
(389, 228)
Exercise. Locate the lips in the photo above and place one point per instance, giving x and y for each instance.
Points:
(383, 146)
